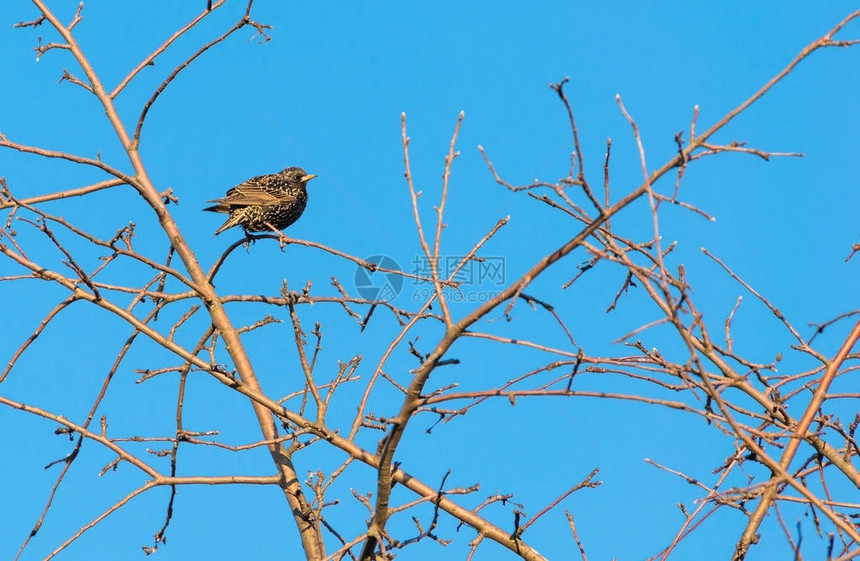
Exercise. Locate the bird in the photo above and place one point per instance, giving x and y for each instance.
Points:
(266, 202)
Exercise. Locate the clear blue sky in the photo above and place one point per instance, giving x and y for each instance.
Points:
(326, 93)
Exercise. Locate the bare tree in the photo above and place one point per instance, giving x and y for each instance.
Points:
(699, 372)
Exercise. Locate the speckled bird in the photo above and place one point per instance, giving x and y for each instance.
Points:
(265, 202)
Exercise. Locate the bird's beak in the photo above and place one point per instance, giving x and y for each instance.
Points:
(308, 177)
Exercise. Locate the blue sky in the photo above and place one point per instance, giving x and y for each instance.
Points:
(326, 93)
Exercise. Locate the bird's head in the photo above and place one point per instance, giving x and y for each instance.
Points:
(297, 174)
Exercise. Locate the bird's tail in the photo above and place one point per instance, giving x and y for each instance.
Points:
(224, 209)
(220, 207)
(232, 221)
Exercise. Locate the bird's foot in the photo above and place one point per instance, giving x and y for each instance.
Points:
(249, 239)
(283, 240)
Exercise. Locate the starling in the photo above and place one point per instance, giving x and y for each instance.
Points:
(266, 202)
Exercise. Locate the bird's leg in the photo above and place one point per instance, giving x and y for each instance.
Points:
(282, 239)
(249, 239)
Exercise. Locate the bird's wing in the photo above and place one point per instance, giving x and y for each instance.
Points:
(254, 192)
